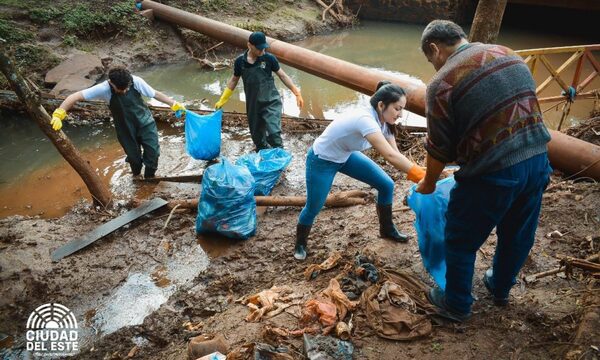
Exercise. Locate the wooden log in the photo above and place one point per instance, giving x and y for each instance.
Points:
(340, 199)
(535, 277)
(100, 193)
(487, 21)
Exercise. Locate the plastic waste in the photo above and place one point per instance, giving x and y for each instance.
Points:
(326, 347)
(203, 345)
(227, 204)
(266, 166)
(430, 211)
(203, 135)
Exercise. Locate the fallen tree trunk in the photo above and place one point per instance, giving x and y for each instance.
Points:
(340, 199)
(100, 193)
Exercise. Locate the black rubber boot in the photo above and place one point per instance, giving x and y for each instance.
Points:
(302, 232)
(387, 229)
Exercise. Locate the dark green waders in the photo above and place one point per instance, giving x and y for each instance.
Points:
(263, 107)
(136, 130)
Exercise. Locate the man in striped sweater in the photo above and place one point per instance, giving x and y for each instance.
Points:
(483, 113)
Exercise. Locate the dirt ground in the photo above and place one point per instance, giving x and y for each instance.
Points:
(541, 322)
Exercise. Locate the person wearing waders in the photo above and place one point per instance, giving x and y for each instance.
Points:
(136, 129)
(483, 113)
(263, 103)
(338, 149)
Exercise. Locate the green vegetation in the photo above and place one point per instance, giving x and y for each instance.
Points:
(214, 5)
(10, 32)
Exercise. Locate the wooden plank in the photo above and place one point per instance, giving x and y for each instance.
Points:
(554, 75)
(567, 63)
(107, 228)
(557, 50)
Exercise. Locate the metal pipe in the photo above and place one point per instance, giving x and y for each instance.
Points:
(338, 71)
(568, 154)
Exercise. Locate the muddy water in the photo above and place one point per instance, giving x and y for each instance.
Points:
(34, 180)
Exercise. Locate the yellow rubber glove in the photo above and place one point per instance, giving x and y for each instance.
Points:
(57, 117)
(299, 99)
(178, 107)
(415, 174)
(224, 98)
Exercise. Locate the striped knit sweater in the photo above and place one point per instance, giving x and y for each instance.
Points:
(482, 111)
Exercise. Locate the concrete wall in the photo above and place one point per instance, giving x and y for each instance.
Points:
(414, 11)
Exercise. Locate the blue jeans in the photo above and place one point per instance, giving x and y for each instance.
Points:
(320, 174)
(508, 199)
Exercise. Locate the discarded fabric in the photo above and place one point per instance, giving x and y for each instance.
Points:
(267, 303)
(313, 270)
(227, 205)
(430, 221)
(266, 166)
(327, 348)
(203, 135)
(203, 345)
(397, 309)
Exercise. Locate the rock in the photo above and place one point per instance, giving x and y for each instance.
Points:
(82, 64)
(70, 84)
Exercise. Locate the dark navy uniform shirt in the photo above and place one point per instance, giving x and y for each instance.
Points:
(268, 62)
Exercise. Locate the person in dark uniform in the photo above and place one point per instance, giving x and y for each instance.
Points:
(136, 129)
(263, 102)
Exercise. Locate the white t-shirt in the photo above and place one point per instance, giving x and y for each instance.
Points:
(102, 91)
(347, 134)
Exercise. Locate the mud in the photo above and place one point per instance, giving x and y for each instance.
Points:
(153, 288)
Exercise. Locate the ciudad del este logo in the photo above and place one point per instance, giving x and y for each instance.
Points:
(52, 329)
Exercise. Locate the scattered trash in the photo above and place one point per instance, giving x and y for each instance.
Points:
(398, 308)
(343, 331)
(266, 166)
(430, 212)
(259, 351)
(321, 347)
(273, 335)
(313, 270)
(366, 269)
(203, 135)
(268, 303)
(227, 205)
(202, 345)
(214, 356)
(319, 309)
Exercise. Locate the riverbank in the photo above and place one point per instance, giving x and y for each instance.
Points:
(188, 285)
(39, 36)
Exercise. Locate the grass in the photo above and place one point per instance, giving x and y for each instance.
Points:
(11, 32)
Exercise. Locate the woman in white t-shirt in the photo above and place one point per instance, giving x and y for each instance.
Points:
(338, 149)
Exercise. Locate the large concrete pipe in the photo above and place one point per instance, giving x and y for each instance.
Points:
(568, 154)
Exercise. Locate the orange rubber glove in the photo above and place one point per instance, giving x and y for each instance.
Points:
(415, 174)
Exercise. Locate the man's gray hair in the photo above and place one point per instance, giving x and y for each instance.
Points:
(443, 32)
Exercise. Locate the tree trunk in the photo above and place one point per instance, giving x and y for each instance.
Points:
(487, 21)
(339, 199)
(100, 192)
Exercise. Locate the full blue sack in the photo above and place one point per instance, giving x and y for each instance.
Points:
(227, 204)
(203, 134)
(430, 212)
(266, 166)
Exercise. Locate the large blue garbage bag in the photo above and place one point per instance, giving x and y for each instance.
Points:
(227, 204)
(203, 135)
(266, 166)
(430, 211)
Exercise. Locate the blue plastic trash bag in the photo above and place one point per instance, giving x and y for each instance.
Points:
(203, 135)
(227, 204)
(266, 166)
(430, 211)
